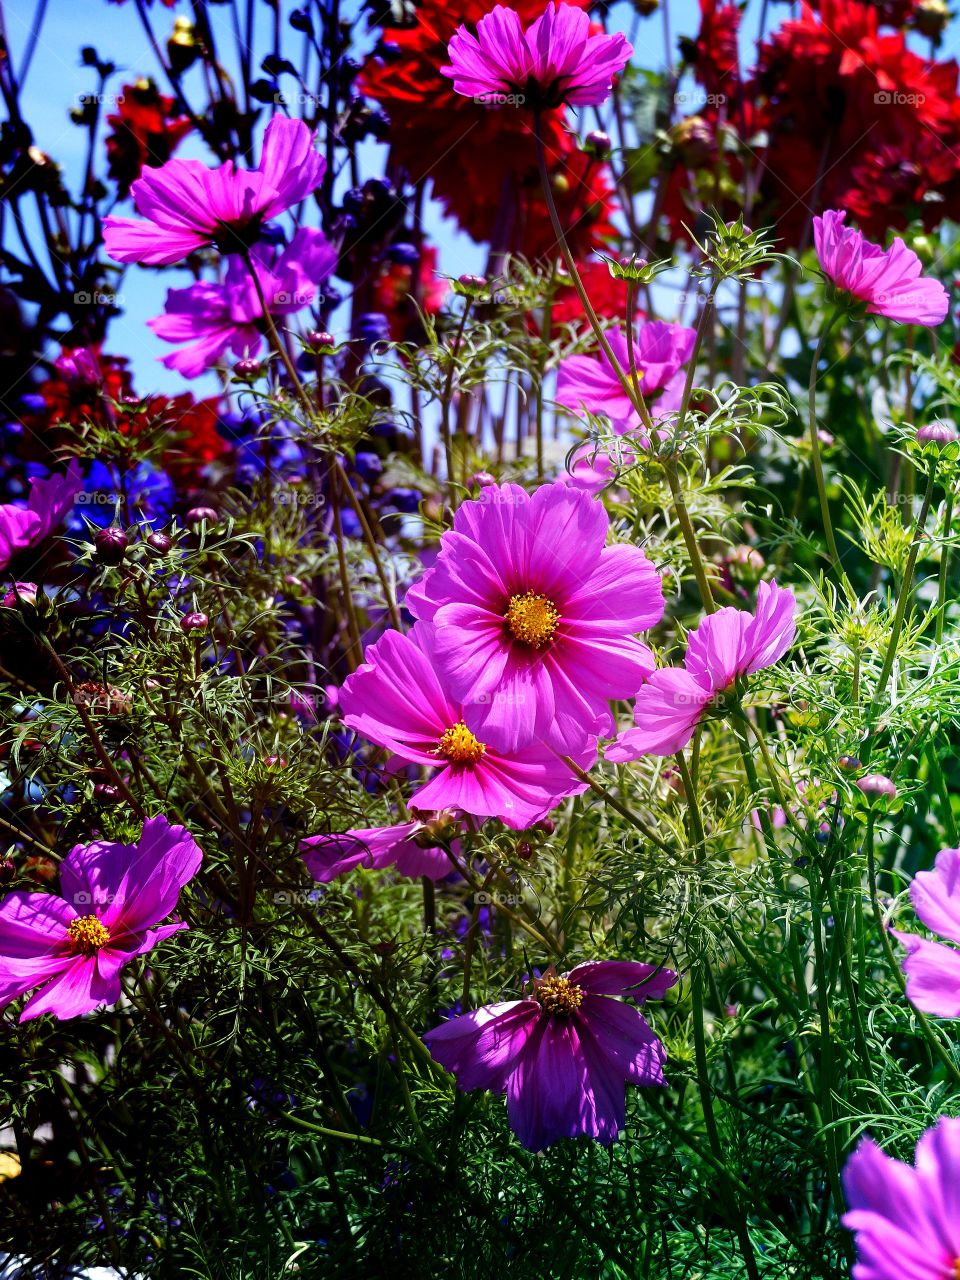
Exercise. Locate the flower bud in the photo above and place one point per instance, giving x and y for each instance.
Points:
(201, 515)
(159, 542)
(876, 784)
(191, 622)
(111, 545)
(938, 432)
(247, 369)
(597, 143)
(849, 764)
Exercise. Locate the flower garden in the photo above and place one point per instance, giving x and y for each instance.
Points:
(480, 658)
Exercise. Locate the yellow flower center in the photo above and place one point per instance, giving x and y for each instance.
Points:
(459, 746)
(956, 1269)
(88, 934)
(532, 619)
(559, 995)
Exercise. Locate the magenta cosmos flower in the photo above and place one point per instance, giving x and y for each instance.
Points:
(113, 898)
(933, 968)
(660, 351)
(534, 617)
(398, 699)
(407, 847)
(48, 502)
(212, 319)
(555, 60)
(564, 1055)
(726, 646)
(906, 1218)
(888, 280)
(188, 206)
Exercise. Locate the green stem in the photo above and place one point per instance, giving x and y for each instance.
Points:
(815, 444)
(905, 586)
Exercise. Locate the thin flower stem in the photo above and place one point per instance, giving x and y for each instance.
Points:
(944, 570)
(905, 587)
(614, 803)
(815, 443)
(632, 393)
(445, 402)
(280, 348)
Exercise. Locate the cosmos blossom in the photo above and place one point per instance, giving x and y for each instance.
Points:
(534, 617)
(888, 280)
(563, 1055)
(660, 351)
(906, 1218)
(112, 899)
(406, 847)
(213, 318)
(555, 60)
(49, 500)
(398, 699)
(726, 646)
(187, 206)
(933, 968)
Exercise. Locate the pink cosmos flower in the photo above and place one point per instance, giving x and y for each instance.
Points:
(113, 898)
(888, 280)
(906, 1218)
(660, 351)
(399, 846)
(555, 60)
(933, 968)
(213, 319)
(534, 617)
(188, 206)
(398, 699)
(564, 1055)
(48, 502)
(726, 646)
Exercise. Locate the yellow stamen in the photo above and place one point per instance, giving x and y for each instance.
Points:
(459, 746)
(88, 934)
(559, 995)
(532, 619)
(956, 1269)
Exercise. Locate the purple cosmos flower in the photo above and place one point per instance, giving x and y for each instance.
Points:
(398, 699)
(726, 646)
(888, 280)
(533, 616)
(564, 1055)
(555, 60)
(400, 846)
(932, 968)
(906, 1218)
(660, 351)
(213, 319)
(188, 206)
(48, 502)
(113, 898)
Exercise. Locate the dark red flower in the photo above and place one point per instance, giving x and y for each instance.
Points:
(144, 132)
(714, 55)
(837, 94)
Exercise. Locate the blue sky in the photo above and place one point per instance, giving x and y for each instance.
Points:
(56, 79)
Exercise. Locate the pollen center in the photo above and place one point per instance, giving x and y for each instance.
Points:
(956, 1269)
(459, 746)
(559, 995)
(532, 619)
(88, 934)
